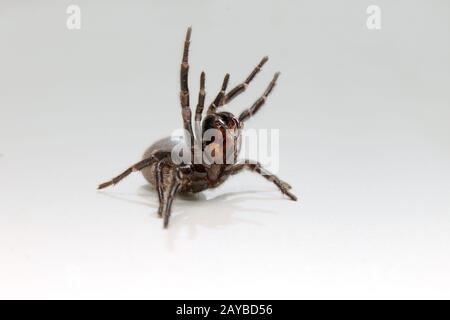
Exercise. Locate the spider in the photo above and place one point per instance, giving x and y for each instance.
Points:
(170, 177)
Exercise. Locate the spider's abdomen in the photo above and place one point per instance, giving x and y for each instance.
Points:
(196, 181)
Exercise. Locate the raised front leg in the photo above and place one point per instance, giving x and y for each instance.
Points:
(243, 86)
(218, 101)
(184, 92)
(256, 167)
(200, 106)
(246, 114)
(198, 120)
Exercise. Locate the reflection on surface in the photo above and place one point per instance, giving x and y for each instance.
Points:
(191, 211)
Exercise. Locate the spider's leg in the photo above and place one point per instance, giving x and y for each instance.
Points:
(136, 167)
(184, 92)
(159, 185)
(233, 93)
(256, 167)
(201, 102)
(218, 101)
(198, 113)
(258, 103)
(171, 194)
(170, 187)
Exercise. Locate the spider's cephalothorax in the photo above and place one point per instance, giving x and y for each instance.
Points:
(225, 141)
(170, 177)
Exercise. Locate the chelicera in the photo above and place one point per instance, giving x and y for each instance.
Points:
(170, 177)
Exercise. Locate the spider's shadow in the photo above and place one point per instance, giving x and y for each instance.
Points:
(191, 211)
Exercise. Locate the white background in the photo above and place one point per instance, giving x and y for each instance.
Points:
(364, 128)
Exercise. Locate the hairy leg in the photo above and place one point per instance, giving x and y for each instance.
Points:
(159, 185)
(246, 114)
(184, 91)
(136, 167)
(198, 118)
(220, 96)
(200, 104)
(233, 93)
(171, 184)
(168, 209)
(256, 167)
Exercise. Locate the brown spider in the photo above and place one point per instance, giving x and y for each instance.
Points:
(169, 176)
